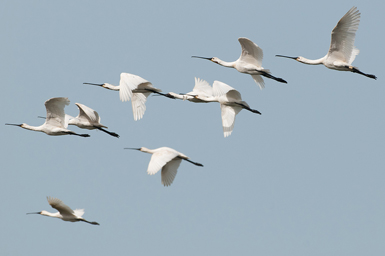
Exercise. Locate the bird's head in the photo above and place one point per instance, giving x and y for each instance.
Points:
(102, 85)
(35, 212)
(294, 58)
(213, 59)
(140, 149)
(20, 125)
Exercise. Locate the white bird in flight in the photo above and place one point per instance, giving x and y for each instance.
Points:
(65, 213)
(55, 123)
(168, 160)
(88, 119)
(342, 51)
(201, 88)
(231, 104)
(135, 88)
(250, 62)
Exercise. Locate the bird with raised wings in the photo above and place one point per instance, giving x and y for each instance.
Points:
(88, 119)
(64, 212)
(201, 88)
(55, 122)
(231, 104)
(342, 51)
(168, 160)
(250, 62)
(135, 88)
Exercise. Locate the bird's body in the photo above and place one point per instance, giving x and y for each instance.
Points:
(64, 212)
(55, 123)
(168, 160)
(250, 62)
(231, 104)
(342, 51)
(201, 88)
(135, 88)
(88, 119)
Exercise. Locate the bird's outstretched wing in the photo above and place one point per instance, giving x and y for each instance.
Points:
(233, 96)
(251, 53)
(220, 88)
(160, 159)
(202, 88)
(169, 171)
(128, 83)
(228, 118)
(343, 36)
(87, 113)
(138, 102)
(60, 206)
(55, 111)
(259, 81)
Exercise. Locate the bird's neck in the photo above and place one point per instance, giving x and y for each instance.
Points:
(30, 127)
(111, 87)
(226, 64)
(311, 62)
(49, 214)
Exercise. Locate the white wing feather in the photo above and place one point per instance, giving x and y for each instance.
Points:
(87, 113)
(160, 159)
(138, 102)
(202, 88)
(259, 81)
(228, 118)
(343, 36)
(251, 52)
(220, 88)
(60, 206)
(55, 111)
(169, 171)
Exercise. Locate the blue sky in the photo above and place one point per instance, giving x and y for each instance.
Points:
(304, 178)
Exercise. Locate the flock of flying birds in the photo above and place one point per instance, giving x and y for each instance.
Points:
(340, 56)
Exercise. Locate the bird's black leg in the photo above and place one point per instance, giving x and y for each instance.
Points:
(265, 74)
(163, 94)
(355, 70)
(110, 133)
(198, 164)
(248, 108)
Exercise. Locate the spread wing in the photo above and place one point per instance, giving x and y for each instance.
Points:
(202, 88)
(343, 36)
(251, 53)
(128, 83)
(220, 88)
(259, 81)
(60, 206)
(55, 111)
(169, 171)
(160, 159)
(138, 102)
(87, 113)
(228, 118)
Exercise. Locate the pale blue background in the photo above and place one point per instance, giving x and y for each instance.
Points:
(304, 178)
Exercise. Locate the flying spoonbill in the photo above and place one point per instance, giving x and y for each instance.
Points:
(201, 88)
(231, 104)
(342, 51)
(250, 62)
(55, 123)
(65, 213)
(168, 160)
(88, 119)
(135, 88)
